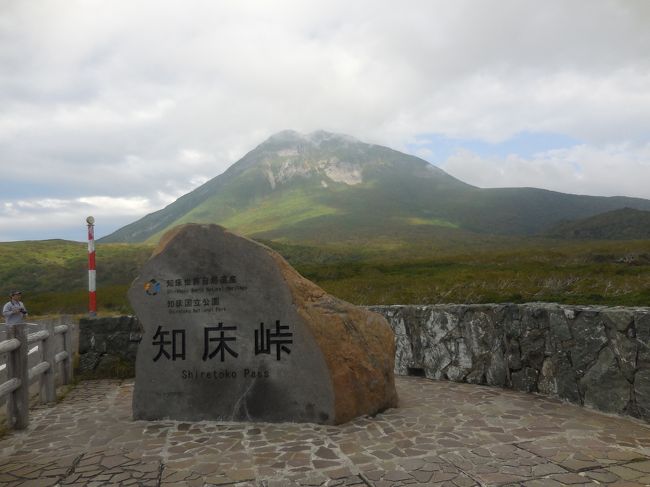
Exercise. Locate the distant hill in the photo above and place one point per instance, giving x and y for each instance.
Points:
(325, 187)
(623, 224)
(61, 265)
(53, 274)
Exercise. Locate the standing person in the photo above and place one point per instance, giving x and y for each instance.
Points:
(14, 311)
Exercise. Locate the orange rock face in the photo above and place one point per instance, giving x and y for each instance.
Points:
(238, 335)
(358, 346)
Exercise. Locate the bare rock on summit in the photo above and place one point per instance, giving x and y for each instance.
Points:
(232, 332)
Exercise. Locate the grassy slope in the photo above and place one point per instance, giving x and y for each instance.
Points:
(625, 223)
(303, 209)
(612, 273)
(368, 271)
(53, 274)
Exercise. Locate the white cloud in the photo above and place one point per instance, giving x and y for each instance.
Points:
(610, 171)
(146, 99)
(65, 218)
(104, 204)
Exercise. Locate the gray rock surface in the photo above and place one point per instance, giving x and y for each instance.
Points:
(642, 392)
(604, 386)
(108, 346)
(232, 332)
(593, 356)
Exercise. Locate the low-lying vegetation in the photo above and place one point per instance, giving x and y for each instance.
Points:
(53, 274)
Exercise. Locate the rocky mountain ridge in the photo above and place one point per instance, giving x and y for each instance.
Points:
(329, 187)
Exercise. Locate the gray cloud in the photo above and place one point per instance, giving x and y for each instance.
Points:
(140, 101)
(578, 170)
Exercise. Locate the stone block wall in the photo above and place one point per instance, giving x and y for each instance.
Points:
(593, 356)
(108, 346)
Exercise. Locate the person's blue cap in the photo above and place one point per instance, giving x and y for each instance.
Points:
(13, 293)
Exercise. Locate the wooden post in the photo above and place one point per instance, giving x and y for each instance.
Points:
(48, 388)
(67, 363)
(18, 401)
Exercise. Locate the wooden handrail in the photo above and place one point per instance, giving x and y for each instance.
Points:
(38, 336)
(60, 329)
(38, 369)
(61, 356)
(7, 346)
(9, 386)
(16, 347)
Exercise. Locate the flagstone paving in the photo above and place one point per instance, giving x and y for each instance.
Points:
(443, 434)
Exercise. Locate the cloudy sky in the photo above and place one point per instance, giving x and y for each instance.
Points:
(116, 108)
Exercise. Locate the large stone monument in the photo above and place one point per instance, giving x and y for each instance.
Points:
(232, 332)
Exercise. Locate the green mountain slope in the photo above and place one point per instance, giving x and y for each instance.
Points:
(623, 224)
(324, 187)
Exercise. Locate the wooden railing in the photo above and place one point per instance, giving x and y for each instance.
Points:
(20, 376)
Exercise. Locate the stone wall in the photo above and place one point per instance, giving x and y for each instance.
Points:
(108, 346)
(593, 356)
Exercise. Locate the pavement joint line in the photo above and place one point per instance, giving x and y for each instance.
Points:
(161, 468)
(365, 479)
(72, 467)
(615, 463)
(545, 459)
(478, 482)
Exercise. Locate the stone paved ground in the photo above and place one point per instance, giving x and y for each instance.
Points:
(444, 433)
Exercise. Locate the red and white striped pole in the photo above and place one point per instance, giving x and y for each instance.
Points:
(92, 273)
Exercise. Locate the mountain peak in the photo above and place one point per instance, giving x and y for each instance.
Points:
(301, 187)
(289, 155)
(313, 138)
